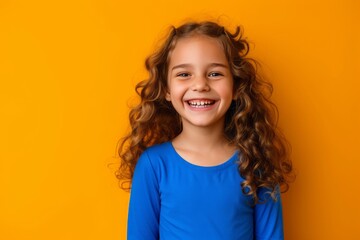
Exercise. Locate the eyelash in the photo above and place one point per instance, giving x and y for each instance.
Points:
(182, 75)
(217, 74)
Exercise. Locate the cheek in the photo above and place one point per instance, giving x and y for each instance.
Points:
(175, 94)
(226, 89)
(177, 89)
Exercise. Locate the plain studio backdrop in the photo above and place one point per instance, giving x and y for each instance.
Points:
(68, 71)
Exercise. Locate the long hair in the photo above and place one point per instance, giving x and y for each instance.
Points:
(250, 122)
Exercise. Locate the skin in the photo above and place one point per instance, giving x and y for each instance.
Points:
(200, 87)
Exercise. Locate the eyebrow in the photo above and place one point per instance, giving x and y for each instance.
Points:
(189, 65)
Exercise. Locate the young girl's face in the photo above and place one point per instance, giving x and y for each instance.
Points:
(200, 84)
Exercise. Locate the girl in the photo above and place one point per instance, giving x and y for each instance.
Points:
(204, 156)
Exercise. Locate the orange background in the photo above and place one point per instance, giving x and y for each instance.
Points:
(67, 72)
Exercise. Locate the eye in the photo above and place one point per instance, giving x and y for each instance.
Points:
(183, 75)
(215, 74)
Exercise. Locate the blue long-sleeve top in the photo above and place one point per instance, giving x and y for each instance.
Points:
(173, 199)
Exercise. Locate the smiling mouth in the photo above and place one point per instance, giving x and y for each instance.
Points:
(200, 103)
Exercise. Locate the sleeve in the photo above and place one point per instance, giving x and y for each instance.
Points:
(144, 205)
(268, 217)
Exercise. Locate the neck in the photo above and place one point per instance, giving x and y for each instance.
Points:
(199, 138)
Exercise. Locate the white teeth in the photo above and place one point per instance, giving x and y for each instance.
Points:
(201, 103)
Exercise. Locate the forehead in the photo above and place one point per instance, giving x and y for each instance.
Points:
(197, 49)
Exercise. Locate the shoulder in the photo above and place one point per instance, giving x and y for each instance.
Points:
(157, 151)
(267, 194)
(155, 156)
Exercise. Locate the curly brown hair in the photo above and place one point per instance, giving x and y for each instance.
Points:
(250, 122)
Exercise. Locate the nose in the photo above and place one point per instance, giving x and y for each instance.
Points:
(200, 84)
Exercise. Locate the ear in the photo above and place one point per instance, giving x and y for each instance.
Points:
(234, 95)
(167, 96)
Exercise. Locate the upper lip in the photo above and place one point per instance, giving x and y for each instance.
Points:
(199, 99)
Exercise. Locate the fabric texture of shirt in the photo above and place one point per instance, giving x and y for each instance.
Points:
(172, 199)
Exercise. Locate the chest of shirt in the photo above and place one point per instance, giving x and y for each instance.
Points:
(203, 192)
